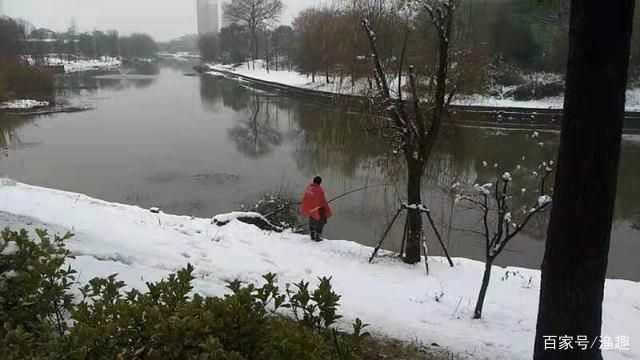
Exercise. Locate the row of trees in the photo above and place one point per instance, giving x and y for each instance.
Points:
(98, 43)
(529, 35)
(233, 45)
(17, 79)
(329, 40)
(22, 38)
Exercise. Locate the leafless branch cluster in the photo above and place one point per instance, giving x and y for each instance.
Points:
(505, 214)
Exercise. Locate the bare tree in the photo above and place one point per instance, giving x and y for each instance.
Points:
(505, 212)
(415, 124)
(576, 254)
(255, 14)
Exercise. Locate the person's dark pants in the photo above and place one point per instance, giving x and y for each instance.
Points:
(316, 227)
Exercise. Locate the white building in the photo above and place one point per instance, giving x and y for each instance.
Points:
(208, 16)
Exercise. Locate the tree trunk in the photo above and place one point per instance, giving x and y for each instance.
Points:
(575, 260)
(254, 47)
(477, 313)
(414, 216)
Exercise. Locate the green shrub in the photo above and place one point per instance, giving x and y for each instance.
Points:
(41, 320)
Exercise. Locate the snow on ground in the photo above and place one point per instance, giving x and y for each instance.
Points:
(635, 139)
(181, 56)
(396, 299)
(556, 102)
(23, 104)
(104, 63)
(75, 64)
(295, 79)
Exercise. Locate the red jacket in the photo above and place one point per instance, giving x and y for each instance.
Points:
(313, 201)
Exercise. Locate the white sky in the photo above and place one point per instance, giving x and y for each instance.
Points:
(162, 19)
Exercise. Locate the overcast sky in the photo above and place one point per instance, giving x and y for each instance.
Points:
(163, 19)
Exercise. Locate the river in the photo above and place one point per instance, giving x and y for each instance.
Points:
(205, 145)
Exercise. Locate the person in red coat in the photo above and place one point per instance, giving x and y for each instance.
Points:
(315, 206)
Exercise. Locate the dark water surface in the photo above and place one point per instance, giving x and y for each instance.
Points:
(201, 146)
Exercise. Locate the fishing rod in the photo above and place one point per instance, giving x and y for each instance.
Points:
(355, 190)
(330, 201)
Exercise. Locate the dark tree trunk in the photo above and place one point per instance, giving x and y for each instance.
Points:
(254, 47)
(414, 216)
(575, 260)
(266, 51)
(477, 313)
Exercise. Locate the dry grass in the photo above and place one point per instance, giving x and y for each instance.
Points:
(376, 348)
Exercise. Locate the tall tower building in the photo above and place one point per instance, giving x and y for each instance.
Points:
(208, 16)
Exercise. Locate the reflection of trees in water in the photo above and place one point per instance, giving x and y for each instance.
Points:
(181, 65)
(256, 137)
(152, 68)
(333, 140)
(74, 84)
(9, 126)
(215, 92)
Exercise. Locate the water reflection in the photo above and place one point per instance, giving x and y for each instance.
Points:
(216, 93)
(256, 137)
(139, 77)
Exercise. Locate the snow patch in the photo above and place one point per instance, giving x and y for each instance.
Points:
(23, 104)
(483, 189)
(9, 274)
(75, 64)
(544, 200)
(226, 218)
(11, 248)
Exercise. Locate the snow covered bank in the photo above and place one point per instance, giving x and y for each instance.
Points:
(555, 102)
(74, 65)
(181, 56)
(23, 104)
(295, 79)
(397, 299)
(104, 63)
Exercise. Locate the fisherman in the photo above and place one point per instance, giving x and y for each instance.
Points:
(314, 205)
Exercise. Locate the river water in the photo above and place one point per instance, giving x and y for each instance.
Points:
(205, 145)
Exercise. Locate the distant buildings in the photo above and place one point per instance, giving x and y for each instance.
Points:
(208, 16)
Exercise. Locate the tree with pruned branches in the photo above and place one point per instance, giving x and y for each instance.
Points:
(416, 122)
(255, 14)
